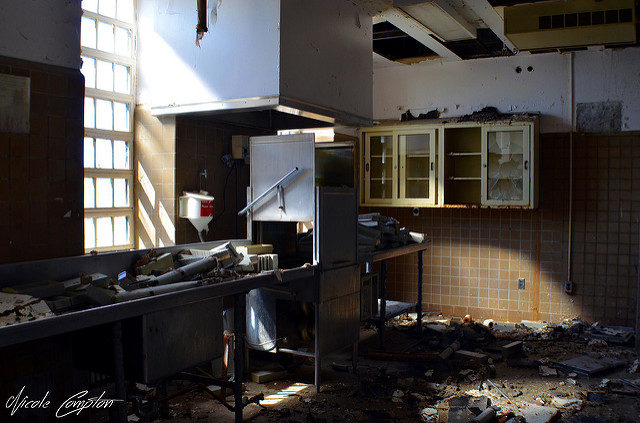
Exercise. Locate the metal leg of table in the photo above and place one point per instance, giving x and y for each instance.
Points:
(317, 361)
(419, 299)
(118, 413)
(383, 302)
(354, 357)
(238, 351)
(164, 403)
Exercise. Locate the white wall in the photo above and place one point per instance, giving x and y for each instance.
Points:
(237, 58)
(611, 75)
(458, 88)
(326, 55)
(44, 31)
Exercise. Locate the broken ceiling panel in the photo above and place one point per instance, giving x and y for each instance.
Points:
(443, 19)
(392, 43)
(487, 44)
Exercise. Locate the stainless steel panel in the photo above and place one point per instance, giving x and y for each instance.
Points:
(336, 164)
(339, 323)
(336, 226)
(228, 110)
(179, 338)
(339, 282)
(273, 157)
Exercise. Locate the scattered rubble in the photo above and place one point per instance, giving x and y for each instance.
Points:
(566, 403)
(18, 308)
(469, 372)
(545, 371)
(377, 232)
(152, 274)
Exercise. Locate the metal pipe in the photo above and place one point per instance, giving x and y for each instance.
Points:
(154, 290)
(501, 393)
(316, 349)
(271, 188)
(638, 300)
(185, 271)
(297, 352)
(201, 27)
(419, 300)
(570, 229)
(382, 313)
(238, 353)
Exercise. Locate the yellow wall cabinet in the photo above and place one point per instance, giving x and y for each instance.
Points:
(450, 164)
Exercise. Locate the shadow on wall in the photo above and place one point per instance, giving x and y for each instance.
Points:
(154, 167)
(477, 255)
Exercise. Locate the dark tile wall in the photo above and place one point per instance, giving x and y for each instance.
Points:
(41, 173)
(170, 155)
(200, 145)
(477, 255)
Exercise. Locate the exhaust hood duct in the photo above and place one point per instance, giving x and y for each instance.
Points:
(305, 60)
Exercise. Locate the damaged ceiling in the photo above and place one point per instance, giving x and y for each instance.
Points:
(410, 31)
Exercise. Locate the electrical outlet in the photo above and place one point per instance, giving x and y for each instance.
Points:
(521, 283)
(568, 287)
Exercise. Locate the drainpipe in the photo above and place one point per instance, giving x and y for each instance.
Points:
(571, 105)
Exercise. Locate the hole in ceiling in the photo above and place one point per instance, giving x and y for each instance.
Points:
(486, 44)
(394, 44)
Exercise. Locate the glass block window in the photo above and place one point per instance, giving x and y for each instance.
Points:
(108, 64)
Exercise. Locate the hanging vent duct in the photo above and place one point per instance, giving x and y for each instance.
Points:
(567, 24)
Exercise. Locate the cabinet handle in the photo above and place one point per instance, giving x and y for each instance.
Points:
(432, 166)
(484, 165)
(366, 167)
(526, 165)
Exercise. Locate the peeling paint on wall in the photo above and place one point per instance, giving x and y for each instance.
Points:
(463, 87)
(601, 116)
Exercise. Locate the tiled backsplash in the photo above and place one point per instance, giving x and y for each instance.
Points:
(477, 255)
(171, 153)
(200, 145)
(41, 188)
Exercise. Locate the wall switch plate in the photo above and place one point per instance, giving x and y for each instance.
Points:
(568, 287)
(521, 283)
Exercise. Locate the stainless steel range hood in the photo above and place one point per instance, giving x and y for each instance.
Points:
(303, 62)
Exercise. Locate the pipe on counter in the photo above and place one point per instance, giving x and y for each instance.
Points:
(185, 271)
(154, 290)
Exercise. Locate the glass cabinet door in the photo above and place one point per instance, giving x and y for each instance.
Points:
(380, 168)
(416, 154)
(505, 165)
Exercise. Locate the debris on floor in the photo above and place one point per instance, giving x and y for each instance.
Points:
(467, 372)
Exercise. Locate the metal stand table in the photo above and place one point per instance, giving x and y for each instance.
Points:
(390, 309)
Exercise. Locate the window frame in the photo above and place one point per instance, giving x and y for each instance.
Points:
(126, 136)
